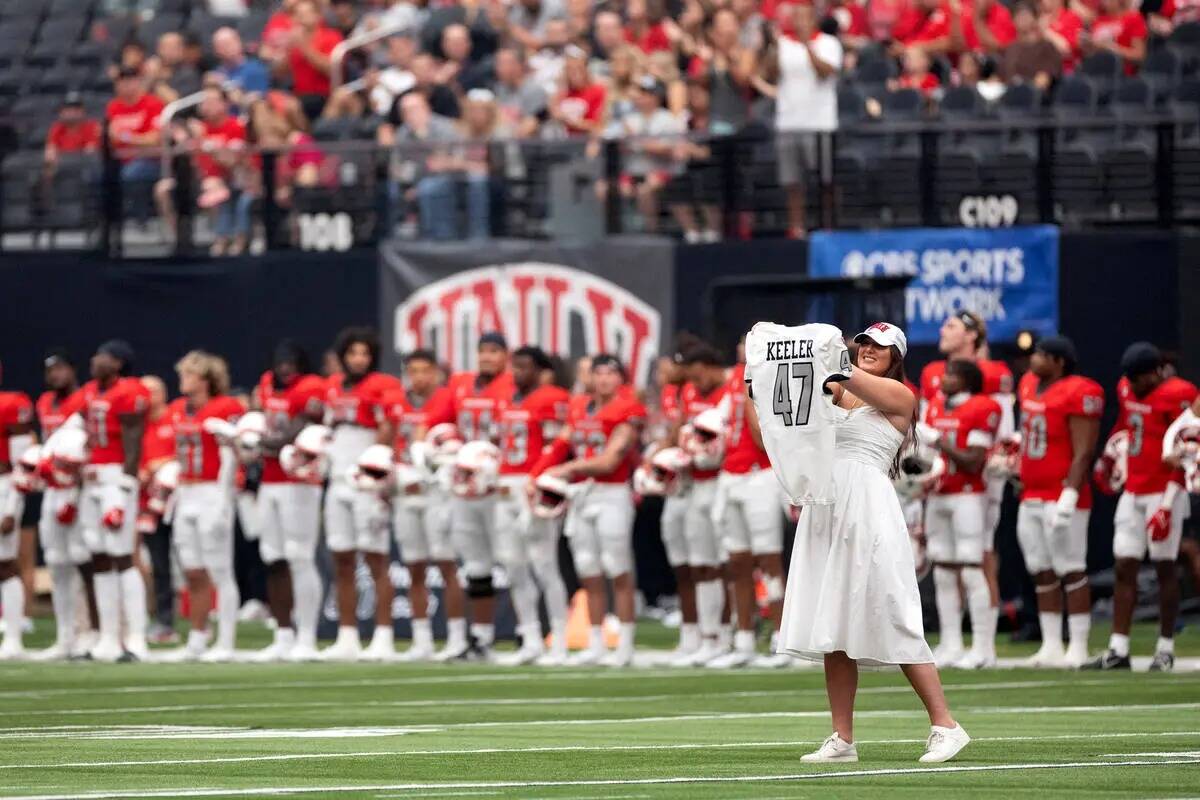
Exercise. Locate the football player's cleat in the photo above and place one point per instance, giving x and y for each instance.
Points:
(973, 659)
(944, 744)
(832, 749)
(382, 646)
(217, 655)
(1076, 656)
(523, 655)
(1108, 660)
(11, 648)
(732, 660)
(453, 651)
(588, 656)
(55, 652)
(417, 653)
(1162, 662)
(277, 650)
(107, 650)
(772, 661)
(1050, 655)
(301, 652)
(618, 658)
(346, 647)
(476, 470)
(945, 655)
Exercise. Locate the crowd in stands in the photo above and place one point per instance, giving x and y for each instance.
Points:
(452, 80)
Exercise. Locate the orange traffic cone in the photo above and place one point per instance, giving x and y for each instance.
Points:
(579, 624)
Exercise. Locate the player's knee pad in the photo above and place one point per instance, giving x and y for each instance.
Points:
(480, 587)
(1073, 583)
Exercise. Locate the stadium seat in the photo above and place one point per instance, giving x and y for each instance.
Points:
(149, 31)
(62, 30)
(111, 31)
(32, 10)
(1103, 69)
(46, 53)
(19, 173)
(12, 80)
(251, 26)
(91, 54)
(205, 25)
(335, 130)
(57, 79)
(1162, 70)
(872, 76)
(12, 51)
(70, 8)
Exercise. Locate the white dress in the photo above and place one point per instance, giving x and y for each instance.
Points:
(852, 585)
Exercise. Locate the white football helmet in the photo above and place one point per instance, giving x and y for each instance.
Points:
(444, 442)
(162, 485)
(248, 435)
(551, 496)
(1183, 442)
(1005, 459)
(704, 439)
(375, 470)
(1113, 466)
(476, 469)
(67, 453)
(222, 429)
(918, 474)
(25, 471)
(305, 457)
(667, 474)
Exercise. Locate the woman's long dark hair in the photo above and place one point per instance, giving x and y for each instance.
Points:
(896, 372)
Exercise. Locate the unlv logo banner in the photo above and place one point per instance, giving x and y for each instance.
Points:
(571, 301)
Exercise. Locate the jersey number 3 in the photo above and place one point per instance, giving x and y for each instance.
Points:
(797, 414)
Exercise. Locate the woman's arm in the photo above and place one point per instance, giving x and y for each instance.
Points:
(891, 397)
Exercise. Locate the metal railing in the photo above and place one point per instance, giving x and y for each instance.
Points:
(338, 57)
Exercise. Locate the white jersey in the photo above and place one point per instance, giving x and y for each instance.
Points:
(348, 443)
(787, 369)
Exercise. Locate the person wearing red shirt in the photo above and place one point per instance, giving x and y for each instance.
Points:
(1119, 29)
(472, 403)
(916, 74)
(356, 521)
(289, 508)
(640, 30)
(986, 25)
(72, 132)
(1062, 28)
(1153, 506)
(133, 122)
(1060, 423)
(16, 426)
(114, 409)
(926, 25)
(525, 424)
(579, 104)
(751, 522)
(961, 425)
(158, 448)
(203, 518)
(221, 139)
(704, 390)
(310, 44)
(600, 440)
(421, 514)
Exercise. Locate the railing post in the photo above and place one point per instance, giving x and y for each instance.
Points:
(927, 178)
(270, 211)
(184, 203)
(612, 175)
(731, 184)
(1165, 173)
(338, 56)
(112, 201)
(1044, 170)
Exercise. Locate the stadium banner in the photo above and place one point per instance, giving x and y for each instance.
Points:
(1008, 275)
(571, 299)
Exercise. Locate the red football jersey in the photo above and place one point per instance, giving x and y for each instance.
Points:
(590, 428)
(52, 411)
(158, 443)
(15, 409)
(1147, 419)
(305, 395)
(972, 423)
(471, 404)
(197, 450)
(526, 425)
(691, 403)
(409, 415)
(668, 402)
(997, 378)
(103, 409)
(741, 453)
(1046, 437)
(360, 404)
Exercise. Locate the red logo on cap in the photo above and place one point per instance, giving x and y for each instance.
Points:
(879, 326)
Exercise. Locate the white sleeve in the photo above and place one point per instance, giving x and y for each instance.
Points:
(980, 439)
(1008, 418)
(829, 50)
(1170, 446)
(17, 445)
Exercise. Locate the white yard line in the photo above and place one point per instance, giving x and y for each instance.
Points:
(684, 779)
(582, 749)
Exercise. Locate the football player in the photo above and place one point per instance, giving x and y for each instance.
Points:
(357, 521)
(114, 408)
(471, 404)
(421, 512)
(202, 526)
(1153, 507)
(964, 336)
(58, 530)
(16, 426)
(750, 521)
(961, 424)
(154, 525)
(704, 390)
(1060, 423)
(526, 423)
(600, 441)
(289, 521)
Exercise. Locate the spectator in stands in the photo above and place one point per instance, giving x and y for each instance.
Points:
(924, 24)
(461, 70)
(478, 128)
(700, 182)
(915, 73)
(664, 67)
(727, 67)
(132, 57)
(608, 34)
(1032, 58)
(310, 46)
(406, 16)
(72, 132)
(579, 16)
(277, 123)
(1062, 28)
(195, 55)
(546, 64)
(169, 76)
(276, 34)
(528, 20)
(624, 70)
(805, 108)
(650, 134)
(751, 24)
(520, 101)
(343, 16)
(578, 105)
(1121, 30)
(442, 99)
(983, 25)
(247, 75)
(133, 122)
(385, 85)
(644, 26)
(425, 148)
(979, 72)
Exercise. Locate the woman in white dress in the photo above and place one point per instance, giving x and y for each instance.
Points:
(852, 592)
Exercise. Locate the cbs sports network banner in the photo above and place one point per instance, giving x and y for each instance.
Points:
(1008, 275)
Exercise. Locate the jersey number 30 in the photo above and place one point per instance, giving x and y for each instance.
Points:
(782, 405)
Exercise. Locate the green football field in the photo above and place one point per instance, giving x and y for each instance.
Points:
(84, 730)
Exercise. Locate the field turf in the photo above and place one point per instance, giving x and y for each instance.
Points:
(348, 731)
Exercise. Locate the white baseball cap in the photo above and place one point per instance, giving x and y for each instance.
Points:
(885, 334)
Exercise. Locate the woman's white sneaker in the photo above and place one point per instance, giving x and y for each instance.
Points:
(832, 749)
(944, 743)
